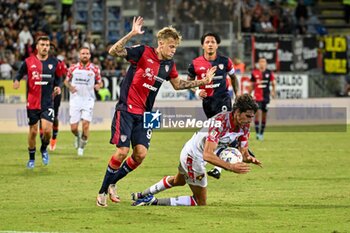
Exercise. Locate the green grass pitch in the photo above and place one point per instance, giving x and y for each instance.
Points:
(304, 186)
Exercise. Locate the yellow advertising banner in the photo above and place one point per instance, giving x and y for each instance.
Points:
(10, 95)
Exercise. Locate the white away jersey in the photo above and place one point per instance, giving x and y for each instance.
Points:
(84, 79)
(223, 135)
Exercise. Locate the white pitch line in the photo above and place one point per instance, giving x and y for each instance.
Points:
(33, 232)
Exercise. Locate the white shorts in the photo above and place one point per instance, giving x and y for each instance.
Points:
(81, 110)
(193, 170)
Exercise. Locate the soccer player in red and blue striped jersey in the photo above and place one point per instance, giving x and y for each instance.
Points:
(261, 80)
(43, 82)
(149, 68)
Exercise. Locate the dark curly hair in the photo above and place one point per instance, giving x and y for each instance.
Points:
(244, 103)
(216, 36)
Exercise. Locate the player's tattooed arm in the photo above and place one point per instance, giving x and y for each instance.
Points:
(118, 49)
(180, 84)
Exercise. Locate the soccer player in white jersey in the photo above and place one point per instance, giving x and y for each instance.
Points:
(200, 149)
(82, 78)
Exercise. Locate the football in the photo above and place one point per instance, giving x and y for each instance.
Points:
(231, 155)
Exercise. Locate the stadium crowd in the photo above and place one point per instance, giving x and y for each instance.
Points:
(22, 21)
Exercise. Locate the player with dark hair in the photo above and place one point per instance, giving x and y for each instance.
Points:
(150, 67)
(215, 96)
(261, 79)
(43, 82)
(200, 149)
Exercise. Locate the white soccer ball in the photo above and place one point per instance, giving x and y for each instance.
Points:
(231, 155)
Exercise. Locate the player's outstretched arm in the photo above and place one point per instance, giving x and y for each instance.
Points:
(118, 49)
(180, 84)
(247, 158)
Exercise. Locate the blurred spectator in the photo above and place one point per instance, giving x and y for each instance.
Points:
(346, 4)
(6, 70)
(264, 26)
(104, 93)
(247, 14)
(301, 15)
(238, 65)
(69, 25)
(25, 37)
(66, 11)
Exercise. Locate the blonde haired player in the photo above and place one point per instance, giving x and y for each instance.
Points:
(149, 68)
(82, 79)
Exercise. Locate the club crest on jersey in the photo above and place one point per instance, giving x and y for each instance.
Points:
(123, 138)
(221, 66)
(50, 66)
(166, 68)
(267, 75)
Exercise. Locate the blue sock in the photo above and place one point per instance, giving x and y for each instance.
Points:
(257, 127)
(31, 153)
(263, 124)
(107, 179)
(44, 144)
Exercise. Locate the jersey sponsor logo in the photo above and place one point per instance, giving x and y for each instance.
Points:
(218, 77)
(167, 68)
(41, 83)
(46, 75)
(150, 87)
(151, 120)
(221, 66)
(216, 85)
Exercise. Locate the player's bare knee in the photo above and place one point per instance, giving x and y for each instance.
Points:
(138, 157)
(121, 153)
(177, 181)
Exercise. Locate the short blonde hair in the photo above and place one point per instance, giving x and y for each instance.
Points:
(169, 32)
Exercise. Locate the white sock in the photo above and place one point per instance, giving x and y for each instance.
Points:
(162, 185)
(182, 201)
(82, 143)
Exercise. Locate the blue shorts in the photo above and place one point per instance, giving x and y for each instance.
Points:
(34, 115)
(214, 105)
(128, 127)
